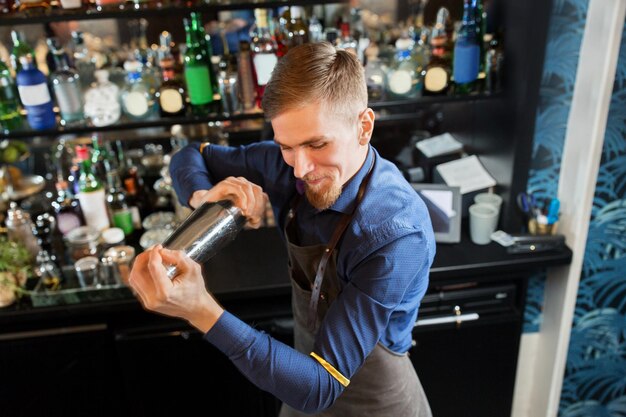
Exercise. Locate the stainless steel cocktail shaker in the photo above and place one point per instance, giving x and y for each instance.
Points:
(205, 232)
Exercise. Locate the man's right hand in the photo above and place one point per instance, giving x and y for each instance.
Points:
(244, 194)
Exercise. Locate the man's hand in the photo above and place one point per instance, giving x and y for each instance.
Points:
(244, 194)
(185, 296)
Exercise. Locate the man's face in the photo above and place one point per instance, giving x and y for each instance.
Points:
(325, 151)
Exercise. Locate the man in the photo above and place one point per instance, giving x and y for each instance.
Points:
(359, 240)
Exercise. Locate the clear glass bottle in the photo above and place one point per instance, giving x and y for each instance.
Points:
(84, 62)
(35, 96)
(228, 84)
(10, 118)
(298, 31)
(137, 100)
(438, 71)
(102, 105)
(68, 90)
(171, 94)
(375, 76)
(404, 78)
(247, 82)
(66, 209)
(264, 57)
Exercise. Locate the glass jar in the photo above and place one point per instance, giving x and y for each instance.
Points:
(81, 242)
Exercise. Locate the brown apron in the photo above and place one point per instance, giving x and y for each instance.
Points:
(386, 385)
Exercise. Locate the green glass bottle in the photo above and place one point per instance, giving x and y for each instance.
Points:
(91, 194)
(10, 118)
(20, 48)
(197, 75)
(204, 40)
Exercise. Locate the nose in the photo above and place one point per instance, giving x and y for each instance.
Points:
(302, 164)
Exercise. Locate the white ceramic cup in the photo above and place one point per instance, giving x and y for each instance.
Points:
(483, 221)
(489, 198)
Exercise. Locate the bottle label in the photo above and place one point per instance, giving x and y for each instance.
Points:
(71, 4)
(436, 79)
(34, 95)
(171, 101)
(136, 104)
(264, 65)
(124, 220)
(68, 221)
(466, 57)
(400, 82)
(198, 84)
(94, 208)
(69, 98)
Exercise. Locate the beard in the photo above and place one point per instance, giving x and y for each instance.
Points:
(322, 197)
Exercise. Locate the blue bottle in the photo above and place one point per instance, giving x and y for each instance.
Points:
(33, 88)
(467, 47)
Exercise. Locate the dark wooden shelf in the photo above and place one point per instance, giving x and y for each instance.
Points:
(391, 112)
(128, 12)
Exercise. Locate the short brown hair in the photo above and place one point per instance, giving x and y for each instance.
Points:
(316, 72)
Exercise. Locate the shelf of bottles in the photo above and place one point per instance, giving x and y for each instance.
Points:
(80, 89)
(41, 11)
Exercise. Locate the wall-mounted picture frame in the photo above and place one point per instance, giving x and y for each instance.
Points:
(444, 207)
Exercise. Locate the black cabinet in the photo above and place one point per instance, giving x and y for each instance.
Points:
(64, 372)
(173, 372)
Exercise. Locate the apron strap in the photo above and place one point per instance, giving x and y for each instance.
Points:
(339, 230)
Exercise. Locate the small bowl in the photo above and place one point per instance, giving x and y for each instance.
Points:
(159, 220)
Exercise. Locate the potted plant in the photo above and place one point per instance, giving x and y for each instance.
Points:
(15, 263)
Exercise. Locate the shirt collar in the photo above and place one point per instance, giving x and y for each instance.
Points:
(345, 202)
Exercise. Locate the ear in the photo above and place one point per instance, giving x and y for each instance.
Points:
(366, 120)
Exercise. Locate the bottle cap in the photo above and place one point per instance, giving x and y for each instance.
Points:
(113, 236)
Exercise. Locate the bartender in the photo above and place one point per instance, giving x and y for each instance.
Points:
(359, 240)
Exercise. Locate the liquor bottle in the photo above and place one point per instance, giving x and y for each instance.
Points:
(10, 118)
(137, 100)
(264, 57)
(171, 94)
(493, 64)
(20, 49)
(71, 4)
(347, 42)
(6, 6)
(91, 193)
(67, 210)
(83, 60)
(35, 96)
(247, 81)
(197, 75)
(298, 31)
(438, 71)
(67, 89)
(227, 83)
(316, 30)
(32, 7)
(204, 40)
(102, 105)
(375, 76)
(120, 213)
(466, 50)
(278, 30)
(404, 79)
(109, 5)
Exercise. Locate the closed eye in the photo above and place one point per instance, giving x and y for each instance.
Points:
(318, 145)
